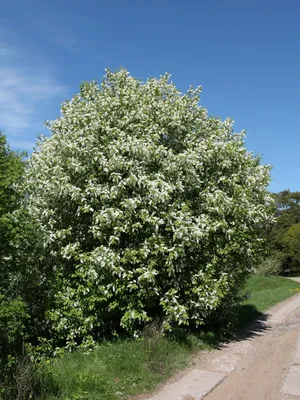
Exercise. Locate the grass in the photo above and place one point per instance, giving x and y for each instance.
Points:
(267, 291)
(118, 370)
(262, 293)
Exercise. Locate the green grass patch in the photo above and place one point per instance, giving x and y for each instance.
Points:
(123, 368)
(262, 293)
(118, 370)
(267, 291)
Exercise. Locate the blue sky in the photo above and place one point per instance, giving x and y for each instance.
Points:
(245, 54)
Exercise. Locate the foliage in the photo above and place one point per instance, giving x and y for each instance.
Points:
(146, 208)
(29, 381)
(13, 315)
(270, 265)
(13, 310)
(291, 241)
(283, 236)
(21, 378)
(11, 170)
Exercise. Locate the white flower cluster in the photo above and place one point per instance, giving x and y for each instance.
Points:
(151, 207)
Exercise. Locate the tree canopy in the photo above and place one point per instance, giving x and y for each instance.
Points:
(148, 208)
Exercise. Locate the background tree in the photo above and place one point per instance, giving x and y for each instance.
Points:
(283, 236)
(13, 310)
(11, 170)
(291, 242)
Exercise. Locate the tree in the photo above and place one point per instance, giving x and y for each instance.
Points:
(282, 236)
(291, 242)
(13, 312)
(11, 170)
(148, 209)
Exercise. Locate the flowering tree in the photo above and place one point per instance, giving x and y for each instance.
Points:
(148, 207)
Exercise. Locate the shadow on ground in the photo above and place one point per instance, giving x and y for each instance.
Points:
(251, 323)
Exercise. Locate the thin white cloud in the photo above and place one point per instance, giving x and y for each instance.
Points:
(27, 89)
(21, 92)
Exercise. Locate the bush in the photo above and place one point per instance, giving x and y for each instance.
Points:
(28, 380)
(21, 377)
(271, 265)
(148, 209)
(13, 316)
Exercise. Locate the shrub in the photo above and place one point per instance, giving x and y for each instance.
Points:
(29, 380)
(148, 209)
(13, 316)
(271, 265)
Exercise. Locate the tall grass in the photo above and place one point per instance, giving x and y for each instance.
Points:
(122, 368)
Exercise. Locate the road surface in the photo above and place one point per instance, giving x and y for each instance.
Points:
(262, 364)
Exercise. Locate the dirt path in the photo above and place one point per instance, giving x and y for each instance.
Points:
(262, 364)
(261, 373)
